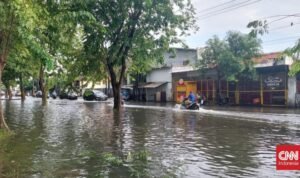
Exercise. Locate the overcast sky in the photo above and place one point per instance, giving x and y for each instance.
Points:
(281, 35)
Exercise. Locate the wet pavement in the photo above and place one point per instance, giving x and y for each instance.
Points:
(69, 138)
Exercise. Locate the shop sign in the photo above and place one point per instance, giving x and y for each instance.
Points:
(181, 82)
(273, 82)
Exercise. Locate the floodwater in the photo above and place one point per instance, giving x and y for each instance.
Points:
(73, 138)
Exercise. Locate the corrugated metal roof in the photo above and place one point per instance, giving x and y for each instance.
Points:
(153, 84)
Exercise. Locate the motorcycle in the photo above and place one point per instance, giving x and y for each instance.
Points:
(189, 106)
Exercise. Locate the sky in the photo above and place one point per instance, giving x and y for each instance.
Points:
(281, 34)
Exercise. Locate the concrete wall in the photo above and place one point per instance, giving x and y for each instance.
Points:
(292, 90)
(160, 75)
(163, 73)
(179, 57)
(151, 92)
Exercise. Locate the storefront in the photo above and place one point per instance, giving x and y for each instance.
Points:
(269, 88)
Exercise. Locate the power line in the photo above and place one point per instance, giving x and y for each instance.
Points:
(280, 39)
(213, 7)
(280, 15)
(228, 9)
(278, 43)
(283, 27)
(224, 9)
(282, 18)
(287, 37)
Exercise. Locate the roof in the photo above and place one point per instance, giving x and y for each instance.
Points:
(266, 58)
(183, 69)
(153, 84)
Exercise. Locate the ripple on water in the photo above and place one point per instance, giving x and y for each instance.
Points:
(67, 138)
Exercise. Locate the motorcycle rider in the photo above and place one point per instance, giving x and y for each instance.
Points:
(192, 97)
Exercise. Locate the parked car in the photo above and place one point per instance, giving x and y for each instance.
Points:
(53, 95)
(63, 95)
(18, 93)
(71, 95)
(39, 93)
(91, 95)
(126, 93)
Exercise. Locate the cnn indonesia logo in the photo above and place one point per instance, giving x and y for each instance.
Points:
(287, 157)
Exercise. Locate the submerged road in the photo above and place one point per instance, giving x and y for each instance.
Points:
(68, 139)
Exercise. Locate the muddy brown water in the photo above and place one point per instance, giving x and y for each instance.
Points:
(69, 138)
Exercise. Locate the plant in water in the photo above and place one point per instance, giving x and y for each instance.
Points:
(134, 163)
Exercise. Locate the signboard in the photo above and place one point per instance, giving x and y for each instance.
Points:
(181, 82)
(274, 82)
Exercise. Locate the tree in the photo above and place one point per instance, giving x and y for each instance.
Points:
(261, 27)
(295, 53)
(51, 42)
(244, 48)
(17, 20)
(231, 58)
(9, 79)
(123, 29)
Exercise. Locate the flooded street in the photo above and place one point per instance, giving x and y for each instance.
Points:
(69, 138)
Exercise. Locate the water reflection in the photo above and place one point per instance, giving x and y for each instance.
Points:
(68, 138)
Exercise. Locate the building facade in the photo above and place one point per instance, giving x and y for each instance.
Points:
(272, 86)
(158, 85)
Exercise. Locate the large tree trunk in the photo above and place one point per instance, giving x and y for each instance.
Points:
(2, 119)
(9, 92)
(117, 96)
(22, 88)
(43, 84)
(116, 87)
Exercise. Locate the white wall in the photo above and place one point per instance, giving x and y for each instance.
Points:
(292, 90)
(164, 74)
(160, 75)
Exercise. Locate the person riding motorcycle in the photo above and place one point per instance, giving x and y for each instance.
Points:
(190, 102)
(192, 97)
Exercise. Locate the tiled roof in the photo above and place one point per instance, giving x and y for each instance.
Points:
(265, 58)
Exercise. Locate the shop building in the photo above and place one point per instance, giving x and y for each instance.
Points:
(158, 86)
(271, 87)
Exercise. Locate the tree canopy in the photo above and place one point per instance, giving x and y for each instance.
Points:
(124, 31)
(261, 27)
(231, 57)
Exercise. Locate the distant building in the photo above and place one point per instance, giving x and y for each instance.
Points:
(273, 87)
(159, 79)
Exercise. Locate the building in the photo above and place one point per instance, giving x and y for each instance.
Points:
(158, 86)
(273, 86)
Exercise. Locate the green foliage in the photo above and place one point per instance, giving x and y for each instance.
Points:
(112, 160)
(66, 40)
(258, 27)
(134, 162)
(294, 52)
(133, 33)
(231, 57)
(88, 93)
(9, 76)
(295, 69)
